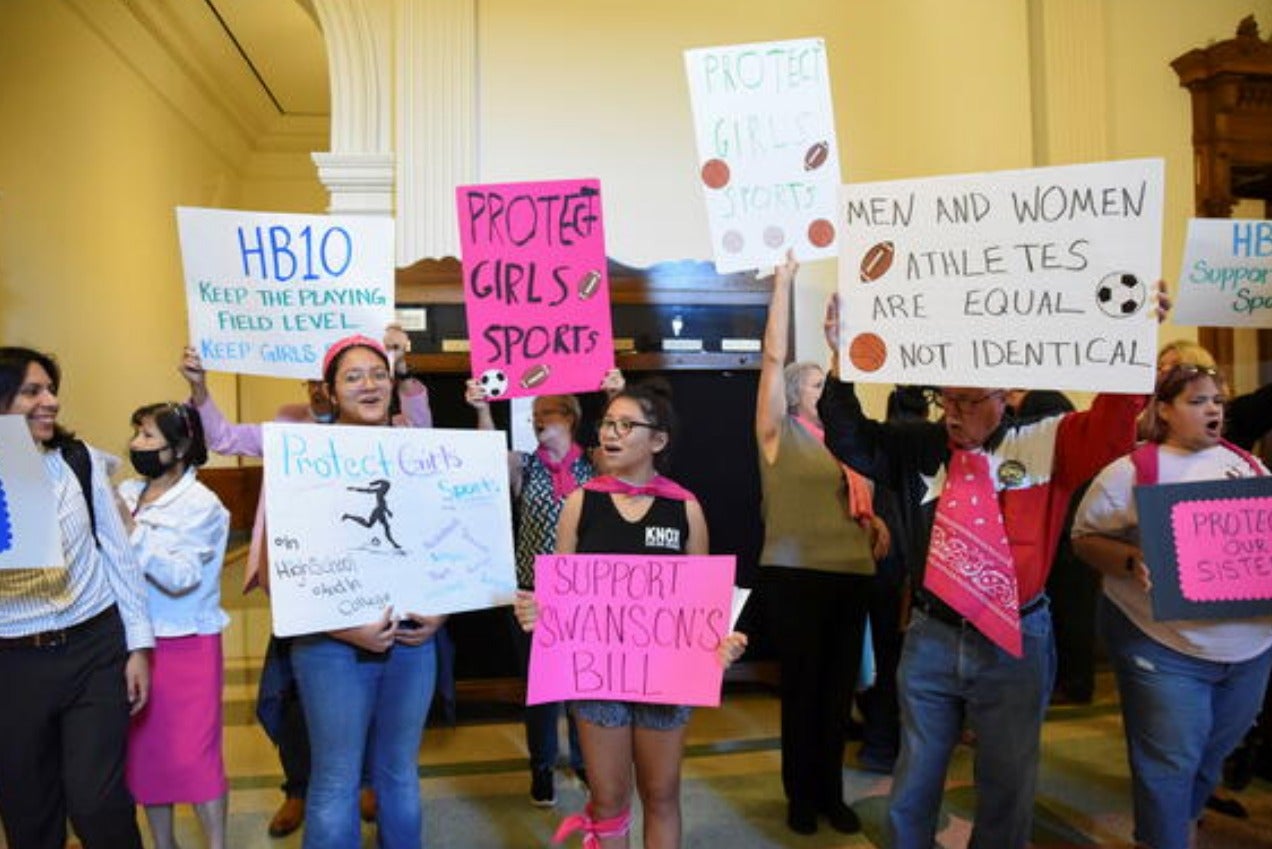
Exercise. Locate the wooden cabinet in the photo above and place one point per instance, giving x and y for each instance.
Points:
(1230, 83)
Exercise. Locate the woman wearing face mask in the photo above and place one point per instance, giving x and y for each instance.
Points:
(365, 689)
(540, 483)
(73, 643)
(1189, 688)
(178, 528)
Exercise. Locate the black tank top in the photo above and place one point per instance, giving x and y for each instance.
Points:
(664, 529)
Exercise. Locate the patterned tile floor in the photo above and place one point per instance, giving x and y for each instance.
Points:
(474, 784)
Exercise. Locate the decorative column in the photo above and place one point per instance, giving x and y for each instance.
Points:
(1069, 81)
(436, 122)
(358, 171)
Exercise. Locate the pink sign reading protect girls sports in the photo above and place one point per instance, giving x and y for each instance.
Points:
(536, 287)
(630, 627)
(1224, 548)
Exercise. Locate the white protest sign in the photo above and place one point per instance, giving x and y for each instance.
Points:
(1226, 280)
(267, 293)
(29, 534)
(767, 154)
(1041, 279)
(361, 518)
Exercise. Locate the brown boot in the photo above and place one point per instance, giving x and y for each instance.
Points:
(368, 807)
(288, 817)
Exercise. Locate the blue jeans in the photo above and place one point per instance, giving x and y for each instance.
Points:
(358, 702)
(1183, 716)
(542, 735)
(948, 673)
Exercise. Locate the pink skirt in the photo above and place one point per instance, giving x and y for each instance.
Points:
(174, 744)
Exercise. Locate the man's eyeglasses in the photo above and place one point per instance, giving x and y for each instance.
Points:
(622, 427)
(945, 401)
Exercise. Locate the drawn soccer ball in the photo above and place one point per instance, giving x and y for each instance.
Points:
(1120, 294)
(494, 381)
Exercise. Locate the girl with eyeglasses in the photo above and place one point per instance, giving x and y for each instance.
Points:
(540, 481)
(1189, 688)
(178, 529)
(628, 744)
(366, 690)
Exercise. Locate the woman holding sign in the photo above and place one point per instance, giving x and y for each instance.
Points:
(540, 483)
(73, 643)
(816, 580)
(1190, 688)
(178, 528)
(365, 689)
(620, 513)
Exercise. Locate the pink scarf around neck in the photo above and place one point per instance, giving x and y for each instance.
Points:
(562, 473)
(657, 486)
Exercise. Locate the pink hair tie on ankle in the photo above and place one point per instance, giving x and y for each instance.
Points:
(594, 829)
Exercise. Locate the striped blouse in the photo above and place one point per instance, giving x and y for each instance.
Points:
(37, 600)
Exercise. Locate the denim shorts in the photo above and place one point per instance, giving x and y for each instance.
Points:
(609, 714)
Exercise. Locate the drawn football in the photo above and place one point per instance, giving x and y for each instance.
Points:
(877, 261)
(494, 381)
(816, 156)
(1120, 294)
(535, 376)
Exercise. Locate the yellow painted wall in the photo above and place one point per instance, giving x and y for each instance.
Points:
(92, 163)
(92, 159)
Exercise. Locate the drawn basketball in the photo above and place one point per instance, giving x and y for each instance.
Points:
(732, 242)
(715, 173)
(774, 236)
(821, 233)
(877, 261)
(867, 352)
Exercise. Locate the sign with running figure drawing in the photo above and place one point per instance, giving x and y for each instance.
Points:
(360, 519)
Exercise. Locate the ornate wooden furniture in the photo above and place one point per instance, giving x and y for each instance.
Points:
(1231, 87)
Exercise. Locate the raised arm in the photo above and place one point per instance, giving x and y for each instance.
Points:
(411, 391)
(240, 440)
(857, 441)
(770, 402)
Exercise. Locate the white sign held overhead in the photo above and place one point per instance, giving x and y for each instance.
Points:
(267, 293)
(1043, 278)
(767, 155)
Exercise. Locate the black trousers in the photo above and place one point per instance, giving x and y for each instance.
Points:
(816, 620)
(65, 727)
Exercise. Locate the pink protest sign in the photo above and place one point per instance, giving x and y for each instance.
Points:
(629, 627)
(535, 286)
(1224, 548)
(1208, 546)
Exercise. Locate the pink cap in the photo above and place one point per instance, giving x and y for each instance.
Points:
(355, 341)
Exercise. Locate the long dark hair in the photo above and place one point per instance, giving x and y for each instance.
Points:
(182, 429)
(14, 362)
(653, 396)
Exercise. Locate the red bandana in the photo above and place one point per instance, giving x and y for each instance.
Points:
(969, 565)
